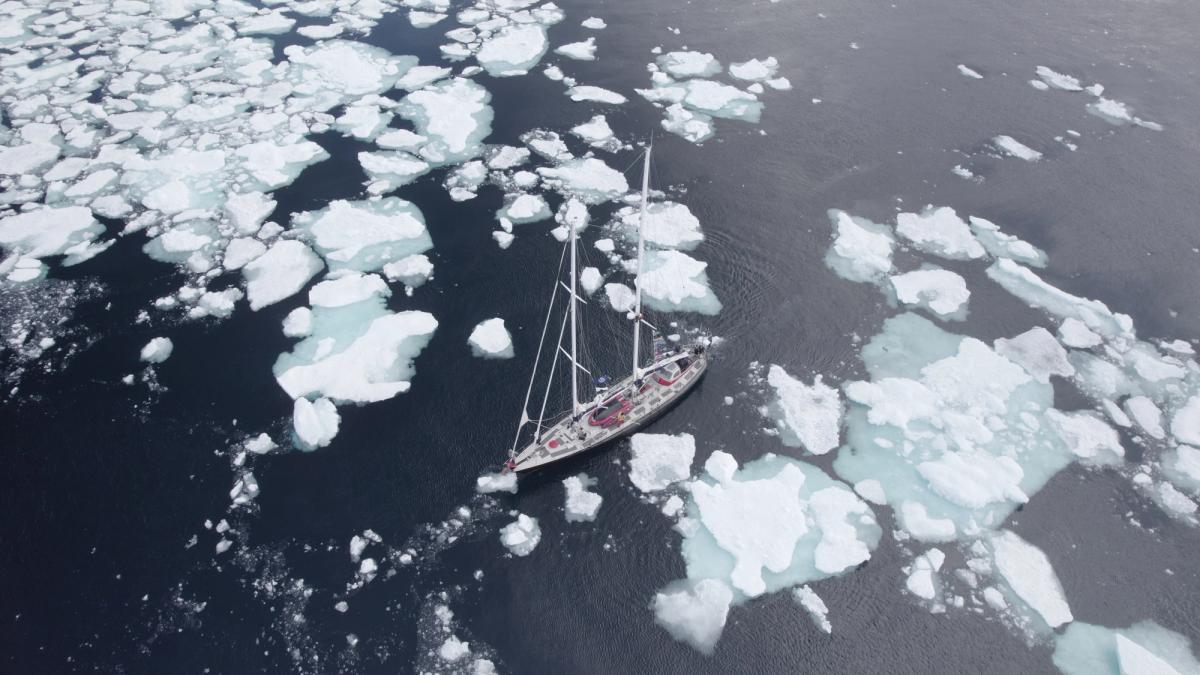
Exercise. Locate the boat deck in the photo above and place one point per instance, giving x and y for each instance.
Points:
(567, 438)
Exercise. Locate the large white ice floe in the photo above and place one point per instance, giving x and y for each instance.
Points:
(365, 235)
(956, 434)
(490, 340)
(521, 536)
(861, 250)
(668, 225)
(660, 460)
(773, 524)
(1144, 648)
(454, 116)
(940, 231)
(940, 291)
(589, 179)
(806, 415)
(357, 350)
(673, 281)
(279, 273)
(513, 50)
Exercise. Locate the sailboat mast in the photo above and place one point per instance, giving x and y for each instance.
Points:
(574, 304)
(641, 250)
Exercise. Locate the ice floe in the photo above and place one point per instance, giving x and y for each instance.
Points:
(969, 72)
(669, 225)
(521, 536)
(940, 231)
(490, 340)
(815, 606)
(582, 505)
(659, 460)
(279, 273)
(157, 350)
(770, 525)
(587, 92)
(588, 179)
(365, 235)
(1144, 648)
(806, 415)
(497, 482)
(682, 86)
(580, 51)
(1031, 578)
(1015, 148)
(314, 423)
(861, 250)
(1002, 245)
(940, 291)
(673, 281)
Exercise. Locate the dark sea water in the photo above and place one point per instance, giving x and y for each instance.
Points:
(105, 484)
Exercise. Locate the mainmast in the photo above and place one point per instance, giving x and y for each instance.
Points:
(637, 282)
(574, 304)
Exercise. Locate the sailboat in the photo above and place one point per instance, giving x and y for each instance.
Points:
(618, 408)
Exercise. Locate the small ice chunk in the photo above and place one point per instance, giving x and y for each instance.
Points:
(620, 297)
(815, 606)
(969, 72)
(521, 536)
(1016, 148)
(582, 504)
(591, 280)
(315, 423)
(496, 482)
(1004, 245)
(585, 92)
(491, 340)
(594, 23)
(922, 579)
(688, 64)
(1058, 80)
(298, 322)
(157, 350)
(1075, 333)
(694, 612)
(580, 51)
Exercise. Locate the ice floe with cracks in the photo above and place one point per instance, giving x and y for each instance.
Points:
(365, 235)
(673, 281)
(861, 250)
(957, 435)
(521, 536)
(658, 461)
(940, 231)
(1015, 148)
(582, 505)
(967, 71)
(814, 605)
(680, 85)
(773, 524)
(490, 340)
(314, 423)
(669, 225)
(587, 92)
(157, 350)
(807, 416)
(1141, 649)
(942, 292)
(922, 580)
